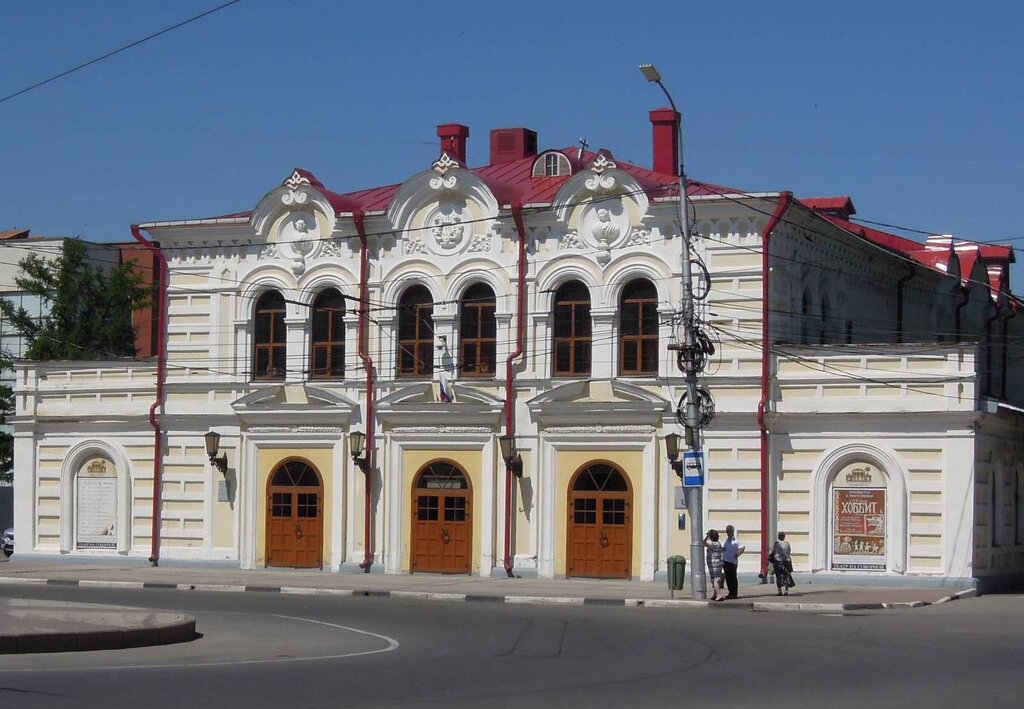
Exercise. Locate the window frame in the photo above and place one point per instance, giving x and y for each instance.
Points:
(334, 344)
(574, 333)
(646, 306)
(418, 304)
(270, 306)
(478, 351)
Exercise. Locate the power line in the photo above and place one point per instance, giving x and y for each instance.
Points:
(117, 51)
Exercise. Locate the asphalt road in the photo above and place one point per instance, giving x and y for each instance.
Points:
(306, 652)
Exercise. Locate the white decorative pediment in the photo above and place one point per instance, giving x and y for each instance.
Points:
(418, 403)
(294, 404)
(296, 219)
(601, 207)
(446, 208)
(598, 402)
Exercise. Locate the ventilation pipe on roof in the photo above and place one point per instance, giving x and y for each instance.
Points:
(161, 371)
(510, 392)
(765, 367)
(371, 457)
(665, 126)
(453, 140)
(508, 144)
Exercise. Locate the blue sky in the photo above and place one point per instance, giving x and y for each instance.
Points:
(914, 109)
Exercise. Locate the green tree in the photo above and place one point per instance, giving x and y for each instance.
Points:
(87, 314)
(87, 309)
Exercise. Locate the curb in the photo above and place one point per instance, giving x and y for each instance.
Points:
(758, 606)
(966, 593)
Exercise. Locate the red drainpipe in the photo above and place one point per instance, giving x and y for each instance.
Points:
(364, 308)
(899, 301)
(1012, 306)
(161, 371)
(510, 403)
(765, 365)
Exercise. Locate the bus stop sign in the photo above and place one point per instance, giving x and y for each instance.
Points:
(693, 468)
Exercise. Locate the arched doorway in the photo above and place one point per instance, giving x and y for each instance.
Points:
(599, 538)
(295, 526)
(442, 522)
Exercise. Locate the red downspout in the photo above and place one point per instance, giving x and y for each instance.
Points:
(958, 318)
(364, 313)
(765, 365)
(1012, 306)
(161, 371)
(989, 364)
(510, 419)
(899, 301)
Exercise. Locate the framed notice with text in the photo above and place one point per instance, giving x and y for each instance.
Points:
(858, 529)
(96, 497)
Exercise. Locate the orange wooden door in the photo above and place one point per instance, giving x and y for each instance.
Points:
(442, 526)
(599, 538)
(295, 517)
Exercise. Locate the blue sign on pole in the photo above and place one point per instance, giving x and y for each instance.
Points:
(693, 468)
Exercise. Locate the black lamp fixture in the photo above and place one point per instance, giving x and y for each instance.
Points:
(672, 450)
(356, 446)
(212, 446)
(513, 461)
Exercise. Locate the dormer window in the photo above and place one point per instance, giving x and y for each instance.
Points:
(551, 164)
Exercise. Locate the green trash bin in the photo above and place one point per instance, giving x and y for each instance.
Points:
(676, 572)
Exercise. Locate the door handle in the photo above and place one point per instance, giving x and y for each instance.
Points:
(445, 537)
(604, 539)
(298, 532)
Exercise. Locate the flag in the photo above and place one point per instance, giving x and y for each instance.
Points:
(446, 393)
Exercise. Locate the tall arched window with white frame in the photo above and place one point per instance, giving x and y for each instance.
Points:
(270, 346)
(415, 357)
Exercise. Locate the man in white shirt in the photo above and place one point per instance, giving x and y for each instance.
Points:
(731, 552)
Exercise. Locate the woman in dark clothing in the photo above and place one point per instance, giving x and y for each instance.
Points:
(782, 563)
(714, 559)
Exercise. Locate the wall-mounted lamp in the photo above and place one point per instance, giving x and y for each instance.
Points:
(212, 446)
(513, 461)
(672, 450)
(356, 446)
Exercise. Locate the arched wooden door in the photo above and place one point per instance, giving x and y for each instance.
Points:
(442, 520)
(295, 525)
(600, 533)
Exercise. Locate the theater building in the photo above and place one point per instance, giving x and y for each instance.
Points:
(364, 356)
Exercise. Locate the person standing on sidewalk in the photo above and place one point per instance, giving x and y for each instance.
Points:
(714, 559)
(731, 552)
(782, 564)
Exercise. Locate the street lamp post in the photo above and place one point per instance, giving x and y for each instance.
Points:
(688, 360)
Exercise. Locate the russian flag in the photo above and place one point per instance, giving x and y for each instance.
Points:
(446, 393)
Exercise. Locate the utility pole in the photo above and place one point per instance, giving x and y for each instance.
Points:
(690, 361)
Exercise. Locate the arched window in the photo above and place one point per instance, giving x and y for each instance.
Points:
(477, 332)
(270, 346)
(638, 329)
(572, 330)
(327, 353)
(416, 333)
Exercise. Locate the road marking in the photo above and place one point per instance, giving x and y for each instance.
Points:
(392, 644)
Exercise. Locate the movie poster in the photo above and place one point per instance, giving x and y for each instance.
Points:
(858, 529)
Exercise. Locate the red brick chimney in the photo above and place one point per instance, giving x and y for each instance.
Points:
(453, 140)
(508, 144)
(665, 125)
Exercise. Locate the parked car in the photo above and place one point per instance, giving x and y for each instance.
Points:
(8, 541)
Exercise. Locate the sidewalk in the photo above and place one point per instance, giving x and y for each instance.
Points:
(809, 596)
